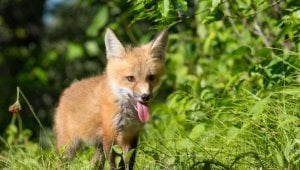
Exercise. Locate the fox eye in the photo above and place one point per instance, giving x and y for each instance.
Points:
(130, 78)
(151, 77)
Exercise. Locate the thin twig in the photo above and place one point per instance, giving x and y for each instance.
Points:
(260, 33)
(232, 21)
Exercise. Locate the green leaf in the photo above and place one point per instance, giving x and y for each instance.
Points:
(263, 52)
(258, 108)
(40, 74)
(218, 14)
(92, 48)
(232, 132)
(183, 5)
(283, 32)
(98, 22)
(164, 7)
(51, 56)
(74, 51)
(11, 129)
(241, 51)
(118, 159)
(214, 4)
(197, 131)
(129, 155)
(117, 149)
(208, 19)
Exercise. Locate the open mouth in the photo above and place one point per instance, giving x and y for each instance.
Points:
(143, 111)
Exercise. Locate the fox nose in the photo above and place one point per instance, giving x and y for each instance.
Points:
(145, 97)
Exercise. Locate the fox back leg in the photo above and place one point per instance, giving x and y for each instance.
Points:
(67, 147)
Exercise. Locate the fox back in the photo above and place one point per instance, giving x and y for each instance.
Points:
(112, 107)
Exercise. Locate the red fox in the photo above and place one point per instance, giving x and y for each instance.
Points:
(111, 108)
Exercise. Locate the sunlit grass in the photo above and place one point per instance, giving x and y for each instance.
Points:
(240, 133)
(248, 132)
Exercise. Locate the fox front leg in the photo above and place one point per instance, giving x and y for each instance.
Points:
(132, 158)
(129, 148)
(99, 156)
(109, 152)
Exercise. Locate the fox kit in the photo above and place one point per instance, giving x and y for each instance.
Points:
(111, 108)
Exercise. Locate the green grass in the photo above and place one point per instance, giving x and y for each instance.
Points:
(248, 132)
(32, 156)
(245, 133)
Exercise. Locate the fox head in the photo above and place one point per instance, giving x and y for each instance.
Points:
(135, 71)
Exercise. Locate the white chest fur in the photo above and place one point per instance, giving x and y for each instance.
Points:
(127, 121)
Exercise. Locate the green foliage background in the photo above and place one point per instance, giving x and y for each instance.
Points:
(229, 99)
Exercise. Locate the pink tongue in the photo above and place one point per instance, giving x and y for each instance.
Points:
(143, 112)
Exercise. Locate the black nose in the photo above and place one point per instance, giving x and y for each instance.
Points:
(145, 97)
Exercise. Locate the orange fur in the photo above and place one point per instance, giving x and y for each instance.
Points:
(101, 109)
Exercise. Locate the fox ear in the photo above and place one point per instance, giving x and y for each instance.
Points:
(114, 47)
(159, 45)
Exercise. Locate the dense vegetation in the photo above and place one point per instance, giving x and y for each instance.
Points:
(230, 98)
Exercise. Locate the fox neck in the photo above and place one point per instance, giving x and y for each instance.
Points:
(126, 119)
